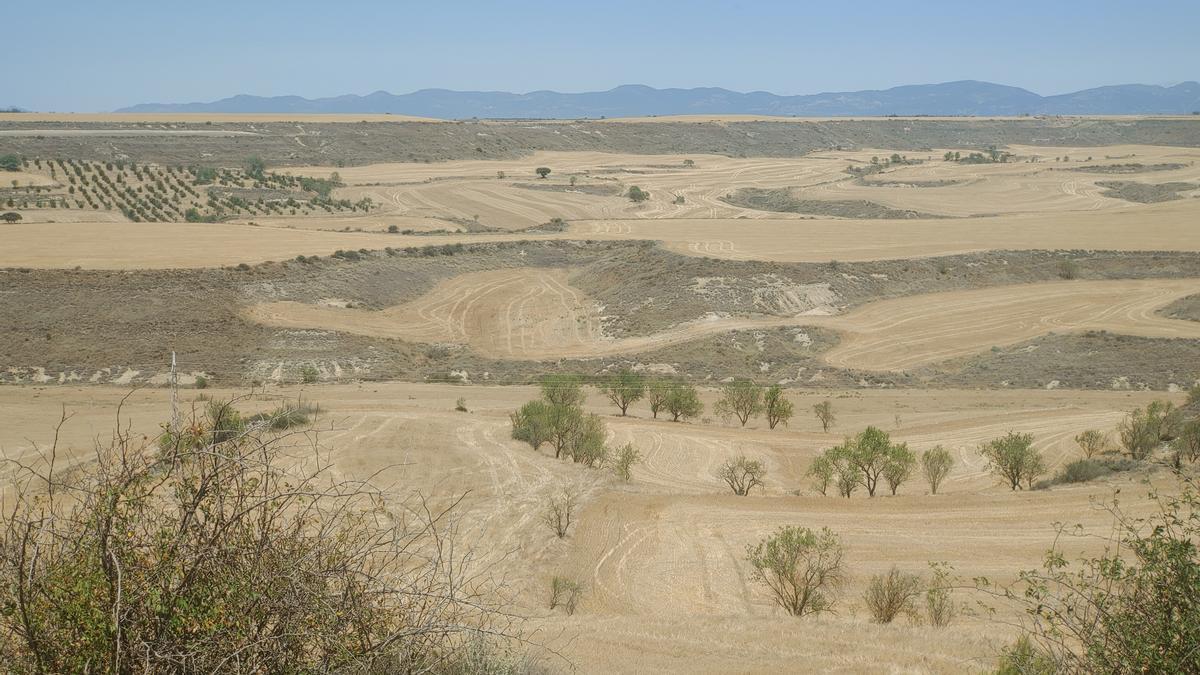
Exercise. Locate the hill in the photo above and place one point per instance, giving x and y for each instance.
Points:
(968, 97)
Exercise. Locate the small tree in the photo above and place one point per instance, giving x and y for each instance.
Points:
(801, 568)
(825, 414)
(1187, 443)
(309, 374)
(683, 402)
(899, 466)
(1014, 459)
(821, 471)
(542, 171)
(870, 451)
(587, 446)
(637, 195)
(531, 423)
(777, 407)
(657, 393)
(564, 424)
(624, 459)
(255, 167)
(742, 474)
(742, 399)
(566, 390)
(624, 388)
(1092, 442)
(558, 511)
(936, 463)
(889, 595)
(11, 217)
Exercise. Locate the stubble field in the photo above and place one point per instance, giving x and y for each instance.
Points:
(875, 269)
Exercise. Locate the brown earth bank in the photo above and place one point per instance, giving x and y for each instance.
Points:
(121, 326)
(367, 142)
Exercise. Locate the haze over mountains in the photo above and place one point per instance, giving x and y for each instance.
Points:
(967, 97)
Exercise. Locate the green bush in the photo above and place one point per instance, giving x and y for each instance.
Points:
(309, 374)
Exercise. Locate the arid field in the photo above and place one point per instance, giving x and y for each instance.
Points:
(1044, 280)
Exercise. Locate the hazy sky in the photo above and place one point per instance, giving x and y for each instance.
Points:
(93, 56)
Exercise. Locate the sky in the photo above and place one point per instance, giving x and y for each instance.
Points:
(98, 56)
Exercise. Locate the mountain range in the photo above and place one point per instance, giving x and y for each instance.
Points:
(967, 97)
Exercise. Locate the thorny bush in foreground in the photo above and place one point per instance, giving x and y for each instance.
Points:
(230, 547)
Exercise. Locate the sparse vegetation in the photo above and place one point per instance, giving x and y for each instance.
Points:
(309, 374)
(637, 195)
(565, 592)
(1092, 442)
(1144, 429)
(623, 460)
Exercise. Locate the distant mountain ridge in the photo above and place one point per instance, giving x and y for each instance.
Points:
(967, 97)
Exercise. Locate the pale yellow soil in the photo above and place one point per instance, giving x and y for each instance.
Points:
(535, 314)
(663, 556)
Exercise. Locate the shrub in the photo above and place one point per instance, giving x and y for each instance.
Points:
(558, 512)
(801, 568)
(11, 216)
(531, 423)
(637, 195)
(309, 374)
(201, 552)
(940, 607)
(542, 171)
(936, 463)
(1187, 443)
(1092, 442)
(742, 474)
(1133, 608)
(889, 595)
(1068, 269)
(625, 457)
(286, 416)
(565, 592)
(461, 405)
(1024, 658)
(1144, 429)
(201, 382)
(742, 399)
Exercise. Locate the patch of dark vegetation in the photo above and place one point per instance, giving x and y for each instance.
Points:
(1085, 470)
(112, 322)
(1132, 167)
(781, 200)
(1091, 360)
(345, 144)
(941, 182)
(1145, 193)
(1186, 308)
(597, 190)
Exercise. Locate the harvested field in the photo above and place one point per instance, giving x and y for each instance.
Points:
(527, 314)
(662, 556)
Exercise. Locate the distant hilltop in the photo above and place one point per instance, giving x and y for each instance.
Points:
(968, 97)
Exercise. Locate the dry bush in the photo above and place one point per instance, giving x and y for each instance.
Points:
(559, 511)
(1092, 442)
(228, 547)
(892, 594)
(742, 474)
(825, 414)
(565, 592)
(940, 608)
